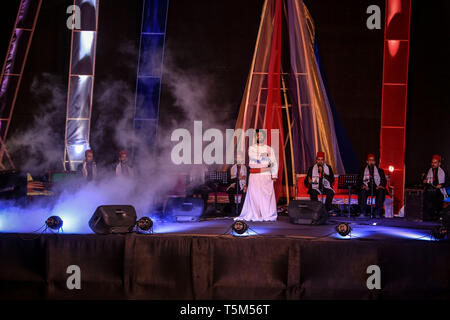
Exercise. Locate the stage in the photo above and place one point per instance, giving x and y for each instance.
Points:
(278, 260)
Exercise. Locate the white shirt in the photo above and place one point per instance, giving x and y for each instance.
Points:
(263, 156)
(120, 167)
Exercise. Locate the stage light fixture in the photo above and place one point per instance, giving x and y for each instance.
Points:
(391, 169)
(439, 232)
(54, 222)
(240, 227)
(144, 224)
(343, 229)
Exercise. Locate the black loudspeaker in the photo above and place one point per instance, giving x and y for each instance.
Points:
(414, 205)
(307, 212)
(183, 209)
(113, 219)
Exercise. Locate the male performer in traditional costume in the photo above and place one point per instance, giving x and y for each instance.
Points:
(123, 168)
(436, 180)
(371, 182)
(88, 168)
(319, 180)
(260, 203)
(238, 186)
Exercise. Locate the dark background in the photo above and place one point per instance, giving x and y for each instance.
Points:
(218, 38)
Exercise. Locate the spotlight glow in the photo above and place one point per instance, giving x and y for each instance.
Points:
(86, 43)
(93, 3)
(72, 224)
(79, 148)
(404, 233)
(391, 169)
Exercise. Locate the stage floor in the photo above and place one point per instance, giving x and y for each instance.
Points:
(199, 261)
(362, 228)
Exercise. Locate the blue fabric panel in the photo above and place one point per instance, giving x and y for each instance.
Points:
(151, 55)
(147, 102)
(155, 14)
(146, 130)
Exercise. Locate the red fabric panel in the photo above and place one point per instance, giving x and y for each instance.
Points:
(273, 115)
(392, 148)
(396, 61)
(398, 19)
(395, 77)
(301, 189)
(394, 100)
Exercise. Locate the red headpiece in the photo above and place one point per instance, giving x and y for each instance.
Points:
(436, 157)
(370, 155)
(122, 152)
(320, 154)
(87, 152)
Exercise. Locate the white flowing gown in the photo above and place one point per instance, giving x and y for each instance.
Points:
(260, 203)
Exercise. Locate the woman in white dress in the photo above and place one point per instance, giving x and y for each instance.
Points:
(260, 203)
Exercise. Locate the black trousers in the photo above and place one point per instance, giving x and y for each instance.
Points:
(380, 195)
(231, 194)
(433, 200)
(313, 194)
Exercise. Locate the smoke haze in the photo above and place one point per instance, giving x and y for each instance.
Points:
(40, 148)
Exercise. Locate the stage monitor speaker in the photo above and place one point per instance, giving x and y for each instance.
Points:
(113, 219)
(182, 209)
(307, 212)
(414, 205)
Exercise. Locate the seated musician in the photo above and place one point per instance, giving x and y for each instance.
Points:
(319, 180)
(123, 167)
(435, 180)
(371, 182)
(238, 177)
(88, 168)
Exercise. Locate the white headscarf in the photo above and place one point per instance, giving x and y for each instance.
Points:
(441, 178)
(316, 176)
(376, 176)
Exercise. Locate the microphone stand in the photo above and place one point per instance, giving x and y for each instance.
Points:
(321, 189)
(372, 182)
(238, 186)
